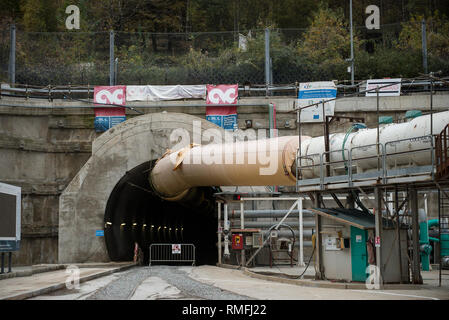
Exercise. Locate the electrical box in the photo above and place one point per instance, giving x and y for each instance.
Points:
(237, 241)
(332, 243)
(257, 240)
(248, 241)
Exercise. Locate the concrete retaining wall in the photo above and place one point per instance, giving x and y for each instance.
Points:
(43, 147)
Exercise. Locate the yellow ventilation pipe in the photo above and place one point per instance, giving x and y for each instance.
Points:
(247, 163)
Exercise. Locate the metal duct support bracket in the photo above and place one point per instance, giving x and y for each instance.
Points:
(182, 153)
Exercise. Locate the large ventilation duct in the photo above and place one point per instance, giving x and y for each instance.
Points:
(272, 161)
(246, 163)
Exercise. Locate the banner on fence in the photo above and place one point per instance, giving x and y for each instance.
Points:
(315, 92)
(160, 93)
(385, 90)
(107, 117)
(222, 116)
(176, 249)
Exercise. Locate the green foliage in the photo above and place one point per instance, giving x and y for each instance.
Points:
(437, 30)
(327, 40)
(152, 45)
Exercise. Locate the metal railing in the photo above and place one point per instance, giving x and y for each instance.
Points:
(386, 168)
(442, 152)
(86, 91)
(172, 252)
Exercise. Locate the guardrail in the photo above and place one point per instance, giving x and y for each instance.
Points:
(84, 91)
(172, 252)
(386, 168)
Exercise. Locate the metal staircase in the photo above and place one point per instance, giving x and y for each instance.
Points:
(443, 233)
(442, 175)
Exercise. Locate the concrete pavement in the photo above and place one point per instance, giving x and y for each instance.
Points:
(255, 283)
(24, 286)
(271, 287)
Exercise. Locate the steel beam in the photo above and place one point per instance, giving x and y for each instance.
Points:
(416, 266)
(378, 235)
(319, 273)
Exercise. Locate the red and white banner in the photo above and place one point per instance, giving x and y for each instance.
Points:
(109, 116)
(110, 95)
(222, 94)
(223, 116)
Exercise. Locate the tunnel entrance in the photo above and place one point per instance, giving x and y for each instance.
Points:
(135, 214)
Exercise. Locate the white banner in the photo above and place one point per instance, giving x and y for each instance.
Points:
(159, 93)
(314, 92)
(393, 90)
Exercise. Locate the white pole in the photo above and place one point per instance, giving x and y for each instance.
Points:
(242, 215)
(226, 227)
(242, 226)
(352, 43)
(219, 232)
(301, 235)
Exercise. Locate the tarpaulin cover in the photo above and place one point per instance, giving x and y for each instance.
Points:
(160, 93)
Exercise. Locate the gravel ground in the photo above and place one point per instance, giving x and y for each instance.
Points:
(191, 288)
(124, 287)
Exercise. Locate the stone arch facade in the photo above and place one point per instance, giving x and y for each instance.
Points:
(82, 205)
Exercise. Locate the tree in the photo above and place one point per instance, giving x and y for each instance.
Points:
(328, 39)
(437, 29)
(39, 15)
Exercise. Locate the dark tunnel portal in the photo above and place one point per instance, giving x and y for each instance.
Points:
(135, 214)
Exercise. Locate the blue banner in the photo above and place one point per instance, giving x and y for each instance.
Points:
(103, 123)
(227, 122)
(311, 96)
(317, 93)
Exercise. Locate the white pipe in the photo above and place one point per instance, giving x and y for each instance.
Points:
(417, 127)
(266, 224)
(269, 162)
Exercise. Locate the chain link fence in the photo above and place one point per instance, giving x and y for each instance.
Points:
(5, 39)
(81, 58)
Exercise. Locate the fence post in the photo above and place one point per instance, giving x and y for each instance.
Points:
(111, 58)
(267, 61)
(424, 45)
(352, 43)
(12, 55)
(115, 70)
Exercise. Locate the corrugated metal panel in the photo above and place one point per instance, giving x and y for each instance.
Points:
(353, 217)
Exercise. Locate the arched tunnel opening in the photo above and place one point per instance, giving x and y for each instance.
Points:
(135, 214)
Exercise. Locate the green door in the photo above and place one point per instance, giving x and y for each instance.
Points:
(359, 260)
